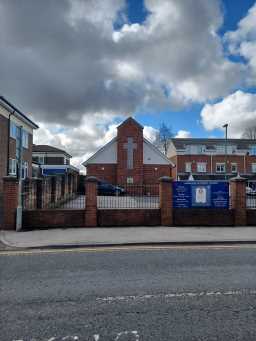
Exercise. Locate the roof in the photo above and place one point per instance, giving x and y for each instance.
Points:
(44, 148)
(8, 105)
(210, 143)
(101, 150)
(132, 120)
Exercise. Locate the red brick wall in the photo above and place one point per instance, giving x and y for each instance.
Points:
(53, 218)
(152, 173)
(131, 217)
(129, 129)
(103, 172)
(203, 217)
(244, 163)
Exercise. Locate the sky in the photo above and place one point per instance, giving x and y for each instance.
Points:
(80, 67)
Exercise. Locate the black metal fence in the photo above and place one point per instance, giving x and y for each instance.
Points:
(251, 200)
(133, 197)
(51, 193)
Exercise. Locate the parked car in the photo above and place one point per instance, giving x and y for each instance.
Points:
(105, 188)
(250, 191)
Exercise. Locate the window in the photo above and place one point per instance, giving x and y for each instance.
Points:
(41, 160)
(253, 150)
(201, 167)
(220, 149)
(233, 168)
(24, 169)
(129, 180)
(188, 167)
(12, 167)
(254, 167)
(220, 167)
(25, 139)
(13, 132)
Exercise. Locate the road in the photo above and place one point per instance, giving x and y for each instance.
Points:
(181, 293)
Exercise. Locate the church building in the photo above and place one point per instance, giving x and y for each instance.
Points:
(129, 158)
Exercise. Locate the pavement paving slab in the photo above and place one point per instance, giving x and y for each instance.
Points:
(125, 236)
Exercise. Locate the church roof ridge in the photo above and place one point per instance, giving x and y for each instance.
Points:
(130, 118)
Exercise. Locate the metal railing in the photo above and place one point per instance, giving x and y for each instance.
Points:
(134, 197)
(46, 196)
(251, 200)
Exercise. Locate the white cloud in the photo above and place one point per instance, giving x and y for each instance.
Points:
(183, 134)
(242, 42)
(237, 109)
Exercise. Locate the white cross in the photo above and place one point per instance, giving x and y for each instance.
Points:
(130, 146)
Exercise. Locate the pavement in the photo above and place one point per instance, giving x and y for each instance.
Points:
(76, 237)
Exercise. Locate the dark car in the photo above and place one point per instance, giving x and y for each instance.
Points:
(105, 188)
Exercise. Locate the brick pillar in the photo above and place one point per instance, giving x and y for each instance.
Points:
(165, 193)
(91, 201)
(10, 201)
(238, 200)
(53, 189)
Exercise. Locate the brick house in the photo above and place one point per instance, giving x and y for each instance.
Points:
(206, 159)
(129, 158)
(52, 160)
(13, 124)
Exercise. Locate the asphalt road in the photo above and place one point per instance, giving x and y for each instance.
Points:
(170, 294)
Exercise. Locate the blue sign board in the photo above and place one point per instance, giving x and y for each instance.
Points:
(210, 194)
(53, 171)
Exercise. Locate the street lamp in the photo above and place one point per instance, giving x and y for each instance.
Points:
(226, 147)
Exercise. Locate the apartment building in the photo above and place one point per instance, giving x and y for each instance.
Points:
(206, 159)
(16, 130)
(52, 160)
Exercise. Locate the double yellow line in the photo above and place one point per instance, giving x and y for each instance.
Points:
(124, 248)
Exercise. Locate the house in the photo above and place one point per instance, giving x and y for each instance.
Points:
(52, 160)
(129, 158)
(16, 129)
(206, 159)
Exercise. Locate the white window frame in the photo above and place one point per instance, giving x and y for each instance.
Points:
(12, 167)
(254, 167)
(253, 150)
(41, 160)
(24, 169)
(25, 139)
(188, 167)
(201, 167)
(220, 149)
(13, 130)
(232, 165)
(220, 164)
(129, 180)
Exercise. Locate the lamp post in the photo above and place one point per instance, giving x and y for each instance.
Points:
(226, 148)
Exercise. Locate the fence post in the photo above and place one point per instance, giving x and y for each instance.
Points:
(165, 193)
(39, 193)
(238, 200)
(10, 198)
(53, 190)
(91, 201)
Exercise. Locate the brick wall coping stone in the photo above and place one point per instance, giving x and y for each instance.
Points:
(91, 179)
(165, 179)
(238, 178)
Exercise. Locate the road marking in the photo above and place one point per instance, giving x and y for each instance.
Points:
(126, 248)
(110, 299)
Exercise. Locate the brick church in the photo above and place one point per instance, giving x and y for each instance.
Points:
(129, 158)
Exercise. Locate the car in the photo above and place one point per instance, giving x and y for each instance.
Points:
(105, 188)
(250, 191)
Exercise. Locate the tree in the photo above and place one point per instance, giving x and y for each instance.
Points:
(250, 133)
(163, 137)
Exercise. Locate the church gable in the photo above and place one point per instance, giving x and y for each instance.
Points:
(153, 156)
(107, 154)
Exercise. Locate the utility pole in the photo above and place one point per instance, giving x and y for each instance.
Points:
(226, 148)
(19, 150)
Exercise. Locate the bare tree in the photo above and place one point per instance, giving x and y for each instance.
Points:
(250, 133)
(163, 137)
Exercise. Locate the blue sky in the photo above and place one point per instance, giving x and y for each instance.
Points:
(81, 67)
(189, 118)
